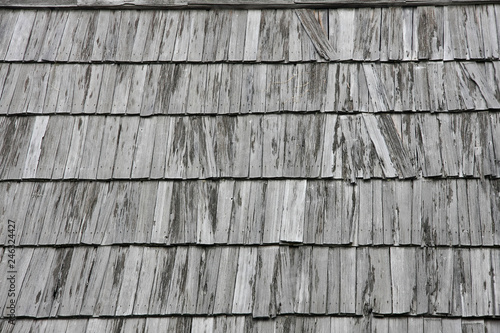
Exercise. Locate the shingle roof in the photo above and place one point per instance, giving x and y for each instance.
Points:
(236, 166)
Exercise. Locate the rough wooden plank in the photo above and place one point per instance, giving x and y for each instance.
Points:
(7, 25)
(93, 138)
(21, 90)
(293, 211)
(403, 278)
(167, 36)
(314, 212)
(461, 283)
(106, 302)
(155, 26)
(78, 272)
(300, 262)
(238, 28)
(432, 159)
(367, 34)
(252, 35)
(192, 280)
(212, 35)
(80, 50)
(240, 212)
(39, 199)
(36, 39)
(108, 148)
(430, 32)
(178, 89)
(161, 136)
(112, 35)
(23, 260)
(380, 145)
(145, 281)
(213, 83)
(148, 102)
(489, 31)
(38, 270)
(428, 218)
(348, 280)
(224, 32)
(20, 130)
(344, 25)
(245, 281)
(365, 213)
(420, 301)
(473, 208)
(161, 282)
(477, 74)
(296, 33)
(128, 291)
(67, 38)
(473, 326)
(20, 36)
(34, 151)
(316, 34)
(76, 148)
(99, 44)
(53, 36)
(482, 296)
(125, 150)
(264, 287)
(377, 212)
(451, 325)
(181, 46)
(382, 292)
(226, 281)
(395, 37)
(137, 86)
(51, 296)
(9, 84)
(421, 86)
(376, 88)
(442, 296)
(160, 226)
(471, 16)
(319, 263)
(122, 89)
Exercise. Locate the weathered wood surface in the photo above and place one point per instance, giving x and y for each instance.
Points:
(261, 272)
(198, 35)
(418, 212)
(325, 219)
(179, 4)
(263, 88)
(241, 146)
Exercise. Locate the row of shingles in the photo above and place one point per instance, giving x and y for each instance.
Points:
(150, 36)
(264, 281)
(256, 35)
(415, 33)
(255, 146)
(452, 145)
(239, 88)
(422, 213)
(281, 324)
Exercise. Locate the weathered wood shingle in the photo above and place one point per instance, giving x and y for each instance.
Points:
(223, 166)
